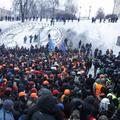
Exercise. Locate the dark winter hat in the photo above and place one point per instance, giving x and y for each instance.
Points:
(33, 90)
(103, 117)
(7, 104)
(60, 106)
(44, 91)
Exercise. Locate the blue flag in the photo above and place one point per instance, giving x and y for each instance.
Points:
(62, 47)
(51, 45)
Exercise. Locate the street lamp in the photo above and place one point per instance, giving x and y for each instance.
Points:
(80, 13)
(90, 7)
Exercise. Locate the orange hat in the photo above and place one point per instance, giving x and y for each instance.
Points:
(45, 82)
(33, 95)
(21, 94)
(66, 92)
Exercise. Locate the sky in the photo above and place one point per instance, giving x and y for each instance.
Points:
(83, 6)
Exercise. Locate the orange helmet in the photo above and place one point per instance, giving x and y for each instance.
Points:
(66, 92)
(33, 95)
(45, 82)
(21, 94)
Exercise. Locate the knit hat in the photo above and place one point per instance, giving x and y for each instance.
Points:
(22, 94)
(104, 104)
(66, 92)
(33, 90)
(59, 75)
(8, 89)
(44, 91)
(60, 106)
(92, 118)
(31, 83)
(7, 104)
(51, 76)
(15, 88)
(55, 92)
(46, 76)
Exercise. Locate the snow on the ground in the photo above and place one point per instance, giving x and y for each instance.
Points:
(4, 25)
(101, 35)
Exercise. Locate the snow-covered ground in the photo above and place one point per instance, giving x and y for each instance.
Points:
(101, 35)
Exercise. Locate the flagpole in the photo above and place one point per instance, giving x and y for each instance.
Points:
(39, 43)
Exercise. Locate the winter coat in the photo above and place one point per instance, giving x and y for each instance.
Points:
(42, 116)
(46, 107)
(116, 115)
(6, 115)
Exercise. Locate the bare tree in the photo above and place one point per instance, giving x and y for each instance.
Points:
(53, 4)
(35, 8)
(70, 7)
(100, 13)
(41, 7)
(24, 7)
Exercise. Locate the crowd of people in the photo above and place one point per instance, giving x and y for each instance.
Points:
(36, 84)
(31, 38)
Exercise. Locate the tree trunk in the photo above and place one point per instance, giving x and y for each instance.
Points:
(21, 10)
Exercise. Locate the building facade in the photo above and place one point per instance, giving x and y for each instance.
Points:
(4, 12)
(116, 9)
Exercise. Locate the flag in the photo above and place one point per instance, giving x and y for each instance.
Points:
(51, 45)
(62, 47)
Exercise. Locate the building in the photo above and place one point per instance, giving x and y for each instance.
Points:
(116, 9)
(4, 12)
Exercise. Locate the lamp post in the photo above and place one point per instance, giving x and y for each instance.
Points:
(80, 12)
(10, 13)
(39, 41)
(90, 7)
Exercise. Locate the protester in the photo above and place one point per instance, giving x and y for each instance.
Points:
(46, 84)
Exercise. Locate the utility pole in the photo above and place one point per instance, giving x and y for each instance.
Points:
(90, 7)
(80, 12)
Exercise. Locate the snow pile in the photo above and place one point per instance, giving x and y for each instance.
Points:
(101, 35)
